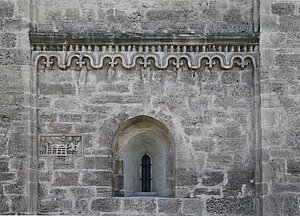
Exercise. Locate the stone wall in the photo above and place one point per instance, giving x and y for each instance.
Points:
(280, 86)
(165, 16)
(209, 112)
(15, 106)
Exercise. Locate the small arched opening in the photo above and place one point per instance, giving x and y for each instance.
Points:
(143, 159)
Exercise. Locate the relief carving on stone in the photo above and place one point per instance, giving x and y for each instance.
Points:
(161, 56)
(60, 145)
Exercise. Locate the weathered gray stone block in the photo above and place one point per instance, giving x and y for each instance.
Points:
(185, 177)
(63, 163)
(82, 192)
(230, 206)
(291, 206)
(82, 206)
(7, 40)
(133, 205)
(4, 165)
(105, 205)
(70, 118)
(7, 176)
(206, 191)
(6, 9)
(283, 8)
(104, 191)
(14, 188)
(212, 178)
(293, 167)
(4, 204)
(97, 163)
(61, 206)
(169, 206)
(97, 178)
(56, 89)
(237, 177)
(192, 206)
(65, 179)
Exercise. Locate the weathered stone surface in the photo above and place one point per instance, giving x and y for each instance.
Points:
(7, 40)
(105, 205)
(185, 177)
(82, 192)
(212, 178)
(97, 163)
(65, 179)
(293, 167)
(243, 206)
(97, 178)
(56, 89)
(192, 206)
(169, 206)
(7, 9)
(283, 8)
(55, 206)
(4, 165)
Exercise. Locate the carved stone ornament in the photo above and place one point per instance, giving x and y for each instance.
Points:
(196, 53)
(60, 145)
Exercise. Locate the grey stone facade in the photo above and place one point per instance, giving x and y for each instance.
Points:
(209, 89)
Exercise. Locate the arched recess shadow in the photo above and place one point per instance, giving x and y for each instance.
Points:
(136, 137)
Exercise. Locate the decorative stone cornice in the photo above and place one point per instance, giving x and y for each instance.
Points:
(160, 52)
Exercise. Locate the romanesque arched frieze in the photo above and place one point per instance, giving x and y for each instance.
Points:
(196, 56)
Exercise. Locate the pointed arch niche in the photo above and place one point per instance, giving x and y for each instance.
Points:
(137, 137)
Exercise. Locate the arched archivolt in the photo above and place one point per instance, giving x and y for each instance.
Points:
(135, 138)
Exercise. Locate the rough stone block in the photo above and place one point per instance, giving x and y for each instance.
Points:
(192, 206)
(61, 206)
(70, 118)
(82, 206)
(65, 179)
(4, 205)
(283, 8)
(291, 206)
(6, 9)
(97, 163)
(4, 165)
(185, 177)
(232, 144)
(105, 205)
(63, 163)
(60, 128)
(7, 176)
(97, 178)
(8, 40)
(84, 128)
(169, 206)
(205, 145)
(150, 205)
(56, 89)
(288, 59)
(212, 178)
(14, 188)
(243, 206)
(238, 177)
(104, 191)
(82, 192)
(293, 167)
(58, 193)
(206, 191)
(133, 205)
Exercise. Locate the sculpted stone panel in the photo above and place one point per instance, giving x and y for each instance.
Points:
(60, 145)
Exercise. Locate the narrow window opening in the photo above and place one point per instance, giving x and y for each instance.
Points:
(146, 174)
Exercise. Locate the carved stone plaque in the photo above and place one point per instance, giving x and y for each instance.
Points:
(60, 145)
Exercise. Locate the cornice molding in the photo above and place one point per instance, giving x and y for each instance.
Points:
(131, 52)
